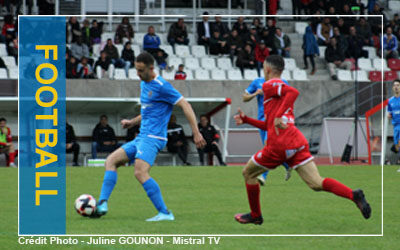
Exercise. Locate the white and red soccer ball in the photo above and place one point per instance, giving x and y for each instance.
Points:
(85, 205)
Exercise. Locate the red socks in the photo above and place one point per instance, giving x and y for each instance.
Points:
(333, 186)
(11, 157)
(253, 193)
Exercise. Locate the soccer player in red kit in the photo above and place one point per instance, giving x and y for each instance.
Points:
(285, 144)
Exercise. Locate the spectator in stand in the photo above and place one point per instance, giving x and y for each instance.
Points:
(395, 23)
(180, 74)
(355, 43)
(151, 43)
(218, 44)
(12, 48)
(271, 31)
(310, 48)
(376, 22)
(128, 55)
(241, 28)
(178, 33)
(72, 146)
(162, 62)
(211, 137)
(104, 139)
(315, 20)
(6, 145)
(261, 52)
(235, 44)
(340, 39)
(204, 31)
(306, 6)
(104, 67)
(177, 140)
(84, 70)
(8, 31)
(282, 43)
(324, 32)
(124, 32)
(364, 30)
(252, 37)
(71, 65)
(79, 49)
(390, 45)
(246, 59)
(132, 133)
(258, 25)
(73, 30)
(333, 19)
(85, 31)
(95, 32)
(296, 7)
(343, 27)
(335, 58)
(221, 27)
(112, 53)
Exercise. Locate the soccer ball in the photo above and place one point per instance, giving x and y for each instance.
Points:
(85, 205)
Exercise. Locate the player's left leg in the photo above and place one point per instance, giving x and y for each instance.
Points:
(310, 175)
(11, 155)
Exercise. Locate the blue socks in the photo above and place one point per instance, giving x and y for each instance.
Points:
(110, 179)
(153, 192)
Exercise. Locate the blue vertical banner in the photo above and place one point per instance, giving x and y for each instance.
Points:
(42, 42)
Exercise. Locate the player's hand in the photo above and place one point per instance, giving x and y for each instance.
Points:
(389, 115)
(125, 123)
(69, 145)
(279, 123)
(214, 142)
(239, 117)
(259, 92)
(199, 140)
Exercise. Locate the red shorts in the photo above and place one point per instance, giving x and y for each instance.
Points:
(290, 147)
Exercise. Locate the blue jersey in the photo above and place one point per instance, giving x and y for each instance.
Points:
(394, 110)
(157, 99)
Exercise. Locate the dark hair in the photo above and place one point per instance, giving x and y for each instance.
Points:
(396, 80)
(203, 115)
(103, 116)
(277, 63)
(181, 65)
(277, 28)
(2, 119)
(145, 58)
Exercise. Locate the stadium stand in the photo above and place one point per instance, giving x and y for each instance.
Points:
(235, 75)
(202, 74)
(218, 74)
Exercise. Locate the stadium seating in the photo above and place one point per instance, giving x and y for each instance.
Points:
(250, 74)
(235, 75)
(189, 75)
(377, 63)
(202, 74)
(365, 64)
(136, 49)
(119, 74)
(175, 61)
(375, 76)
(9, 61)
(360, 76)
(300, 75)
(133, 74)
(96, 51)
(198, 51)
(285, 75)
(13, 73)
(322, 51)
(138, 38)
(208, 63)
(390, 76)
(394, 5)
(192, 63)
(119, 47)
(182, 50)
(3, 50)
(371, 51)
(218, 74)
(290, 64)
(353, 63)
(344, 75)
(394, 64)
(300, 27)
(168, 75)
(163, 38)
(168, 49)
(224, 63)
(3, 73)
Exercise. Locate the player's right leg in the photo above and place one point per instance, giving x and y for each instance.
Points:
(310, 175)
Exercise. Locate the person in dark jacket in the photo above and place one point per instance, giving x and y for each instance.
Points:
(241, 27)
(104, 139)
(132, 133)
(70, 67)
(177, 140)
(355, 43)
(310, 48)
(211, 137)
(235, 44)
(221, 27)
(334, 56)
(95, 32)
(112, 53)
(246, 59)
(204, 31)
(103, 66)
(218, 44)
(124, 32)
(128, 55)
(178, 33)
(72, 146)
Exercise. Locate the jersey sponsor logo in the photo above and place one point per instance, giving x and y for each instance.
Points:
(146, 105)
(139, 152)
(291, 152)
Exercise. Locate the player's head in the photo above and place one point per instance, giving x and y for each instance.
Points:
(103, 120)
(273, 66)
(3, 122)
(396, 87)
(203, 120)
(145, 66)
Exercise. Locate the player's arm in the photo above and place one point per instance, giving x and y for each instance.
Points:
(289, 95)
(126, 123)
(241, 118)
(248, 97)
(191, 117)
(389, 110)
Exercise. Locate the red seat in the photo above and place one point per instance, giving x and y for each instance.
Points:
(375, 76)
(394, 64)
(390, 76)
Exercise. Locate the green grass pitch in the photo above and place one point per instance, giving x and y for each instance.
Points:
(204, 200)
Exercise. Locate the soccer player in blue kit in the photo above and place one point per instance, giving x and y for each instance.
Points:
(157, 98)
(394, 113)
(255, 90)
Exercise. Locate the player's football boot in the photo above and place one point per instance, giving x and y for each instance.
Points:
(361, 202)
(261, 180)
(393, 149)
(247, 218)
(101, 209)
(161, 216)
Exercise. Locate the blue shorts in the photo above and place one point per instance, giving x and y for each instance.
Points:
(144, 148)
(263, 135)
(396, 134)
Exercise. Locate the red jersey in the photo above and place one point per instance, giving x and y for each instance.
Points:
(180, 75)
